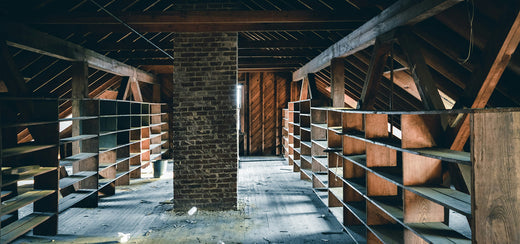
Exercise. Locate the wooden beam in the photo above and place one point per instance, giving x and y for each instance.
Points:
(136, 90)
(374, 74)
(420, 71)
(209, 27)
(337, 82)
(25, 38)
(497, 55)
(124, 89)
(10, 74)
(79, 91)
(403, 12)
(206, 17)
(156, 93)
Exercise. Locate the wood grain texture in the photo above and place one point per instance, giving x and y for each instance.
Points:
(376, 216)
(269, 114)
(418, 209)
(496, 177)
(255, 113)
(377, 186)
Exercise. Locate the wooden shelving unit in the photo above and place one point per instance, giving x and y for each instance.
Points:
(132, 135)
(34, 163)
(79, 157)
(384, 187)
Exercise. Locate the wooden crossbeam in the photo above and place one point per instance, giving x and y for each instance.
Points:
(136, 90)
(374, 74)
(207, 17)
(497, 55)
(403, 12)
(420, 71)
(124, 89)
(25, 38)
(207, 27)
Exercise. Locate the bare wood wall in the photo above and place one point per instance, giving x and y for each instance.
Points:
(265, 95)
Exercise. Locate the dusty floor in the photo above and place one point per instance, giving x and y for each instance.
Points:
(274, 207)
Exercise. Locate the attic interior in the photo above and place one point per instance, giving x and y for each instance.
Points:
(356, 121)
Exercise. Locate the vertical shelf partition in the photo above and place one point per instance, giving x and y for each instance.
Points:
(384, 187)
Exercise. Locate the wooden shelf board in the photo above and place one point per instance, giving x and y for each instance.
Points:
(25, 148)
(306, 129)
(320, 143)
(337, 172)
(75, 158)
(358, 209)
(306, 158)
(76, 138)
(155, 156)
(25, 124)
(297, 149)
(451, 198)
(306, 143)
(78, 118)
(24, 199)
(337, 212)
(360, 188)
(297, 162)
(391, 233)
(307, 172)
(338, 192)
(10, 179)
(437, 233)
(336, 129)
(323, 160)
(323, 195)
(433, 152)
(74, 198)
(443, 154)
(323, 178)
(77, 177)
(322, 126)
(23, 225)
(357, 232)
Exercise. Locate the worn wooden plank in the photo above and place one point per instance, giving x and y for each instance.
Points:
(420, 71)
(268, 114)
(400, 13)
(496, 177)
(19, 201)
(255, 113)
(22, 226)
(374, 74)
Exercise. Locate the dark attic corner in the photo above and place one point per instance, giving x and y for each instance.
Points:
(258, 121)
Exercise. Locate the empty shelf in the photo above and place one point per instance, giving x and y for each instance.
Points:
(19, 201)
(76, 138)
(74, 198)
(23, 225)
(71, 179)
(29, 173)
(24, 148)
(74, 158)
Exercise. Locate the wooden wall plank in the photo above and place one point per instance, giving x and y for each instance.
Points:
(496, 177)
(269, 115)
(282, 97)
(255, 113)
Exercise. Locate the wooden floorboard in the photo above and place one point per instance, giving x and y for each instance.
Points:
(275, 206)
